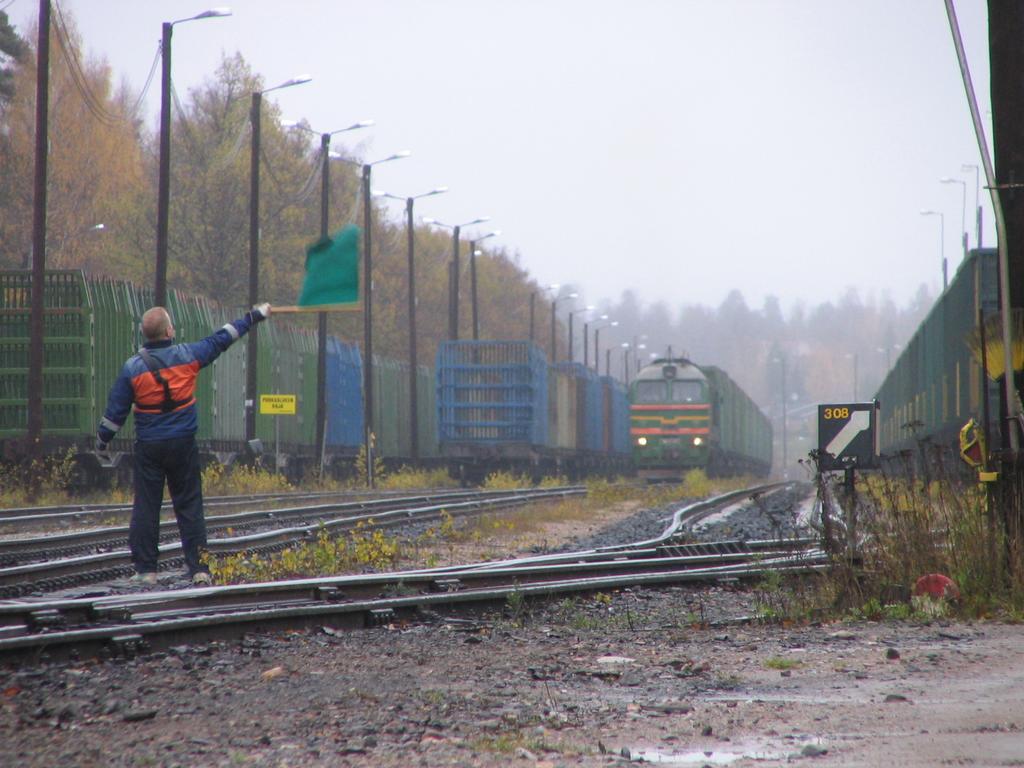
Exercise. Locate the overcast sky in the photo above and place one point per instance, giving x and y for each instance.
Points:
(681, 148)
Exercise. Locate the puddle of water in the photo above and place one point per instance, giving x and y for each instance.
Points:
(718, 756)
(715, 757)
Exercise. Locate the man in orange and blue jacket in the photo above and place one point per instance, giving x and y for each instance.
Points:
(160, 383)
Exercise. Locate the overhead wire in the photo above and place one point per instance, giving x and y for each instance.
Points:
(78, 76)
(236, 148)
(149, 81)
(94, 103)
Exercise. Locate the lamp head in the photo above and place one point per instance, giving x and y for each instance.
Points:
(213, 13)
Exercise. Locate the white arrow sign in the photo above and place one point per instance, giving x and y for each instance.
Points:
(859, 421)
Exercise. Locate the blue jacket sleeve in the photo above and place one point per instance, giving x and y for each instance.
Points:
(119, 403)
(209, 349)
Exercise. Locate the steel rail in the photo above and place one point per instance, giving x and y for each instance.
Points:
(192, 610)
(444, 579)
(21, 579)
(9, 514)
(15, 551)
(682, 517)
(97, 516)
(165, 618)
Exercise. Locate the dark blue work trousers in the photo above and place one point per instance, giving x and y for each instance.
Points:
(177, 461)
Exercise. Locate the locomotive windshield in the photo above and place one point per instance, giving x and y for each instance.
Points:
(687, 391)
(649, 392)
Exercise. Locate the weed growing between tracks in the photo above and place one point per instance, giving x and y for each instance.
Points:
(327, 556)
(485, 537)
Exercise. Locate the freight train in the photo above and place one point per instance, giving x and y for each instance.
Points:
(937, 384)
(502, 405)
(685, 416)
(490, 404)
(91, 328)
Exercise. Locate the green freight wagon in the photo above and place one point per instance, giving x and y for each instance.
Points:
(937, 384)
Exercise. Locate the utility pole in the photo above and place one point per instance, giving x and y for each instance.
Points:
(34, 381)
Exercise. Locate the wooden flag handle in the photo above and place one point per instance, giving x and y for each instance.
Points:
(295, 308)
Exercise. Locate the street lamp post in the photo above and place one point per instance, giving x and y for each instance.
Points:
(254, 248)
(321, 348)
(942, 242)
(368, 435)
(164, 182)
(781, 359)
(963, 210)
(572, 313)
(554, 316)
(637, 346)
(453, 291)
(977, 197)
(533, 312)
(597, 343)
(473, 253)
(625, 363)
(414, 429)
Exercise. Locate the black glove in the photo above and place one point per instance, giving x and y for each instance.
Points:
(260, 312)
(102, 450)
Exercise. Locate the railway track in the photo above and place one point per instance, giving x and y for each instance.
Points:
(16, 519)
(52, 562)
(127, 624)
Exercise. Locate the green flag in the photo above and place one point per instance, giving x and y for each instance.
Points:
(332, 270)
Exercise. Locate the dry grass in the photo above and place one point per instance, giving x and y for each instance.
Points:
(910, 526)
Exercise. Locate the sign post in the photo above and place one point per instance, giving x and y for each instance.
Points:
(847, 441)
(278, 405)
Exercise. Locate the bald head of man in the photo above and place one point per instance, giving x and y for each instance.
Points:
(156, 325)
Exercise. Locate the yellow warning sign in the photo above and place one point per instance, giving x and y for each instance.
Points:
(277, 405)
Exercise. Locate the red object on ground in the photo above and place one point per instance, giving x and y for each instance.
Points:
(936, 585)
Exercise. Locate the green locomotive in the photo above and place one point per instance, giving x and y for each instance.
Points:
(684, 417)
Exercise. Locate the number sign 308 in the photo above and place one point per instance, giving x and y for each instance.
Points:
(837, 413)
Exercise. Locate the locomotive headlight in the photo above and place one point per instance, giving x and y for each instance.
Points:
(697, 441)
(641, 441)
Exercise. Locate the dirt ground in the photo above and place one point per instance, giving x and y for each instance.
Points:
(673, 677)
